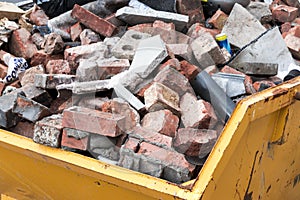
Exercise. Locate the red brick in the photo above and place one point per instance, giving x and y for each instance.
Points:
(173, 62)
(58, 104)
(94, 121)
(38, 40)
(283, 13)
(196, 29)
(152, 137)
(249, 85)
(132, 144)
(194, 142)
(293, 3)
(211, 69)
(2, 87)
(163, 25)
(68, 140)
(230, 70)
(295, 31)
(293, 43)
(218, 20)
(38, 16)
(75, 31)
(3, 71)
(54, 44)
(285, 27)
(92, 21)
(110, 67)
(132, 117)
(193, 9)
(261, 85)
(41, 58)
(21, 45)
(16, 84)
(142, 91)
(88, 36)
(297, 21)
(24, 129)
(140, 27)
(162, 121)
(197, 113)
(189, 70)
(58, 67)
(92, 102)
(28, 75)
(114, 20)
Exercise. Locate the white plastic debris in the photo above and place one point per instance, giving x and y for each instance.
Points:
(15, 66)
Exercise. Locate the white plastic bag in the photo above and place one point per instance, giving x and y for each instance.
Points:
(15, 66)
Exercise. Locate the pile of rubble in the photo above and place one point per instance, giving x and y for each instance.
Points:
(145, 89)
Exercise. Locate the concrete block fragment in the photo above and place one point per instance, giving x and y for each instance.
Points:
(21, 45)
(50, 81)
(7, 117)
(261, 11)
(23, 128)
(134, 16)
(94, 121)
(232, 84)
(117, 106)
(87, 36)
(48, 131)
(245, 24)
(197, 113)
(127, 45)
(58, 67)
(256, 53)
(206, 51)
(53, 44)
(75, 31)
(75, 139)
(174, 80)
(110, 67)
(218, 20)
(195, 142)
(87, 70)
(93, 21)
(162, 121)
(284, 13)
(150, 136)
(160, 97)
(259, 69)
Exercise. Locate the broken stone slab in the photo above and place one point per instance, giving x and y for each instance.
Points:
(75, 139)
(232, 84)
(48, 131)
(206, 51)
(261, 11)
(134, 16)
(162, 121)
(29, 109)
(127, 45)
(7, 117)
(257, 69)
(159, 97)
(87, 71)
(197, 113)
(194, 142)
(256, 52)
(125, 94)
(51, 81)
(98, 122)
(242, 27)
(86, 87)
(174, 80)
(143, 68)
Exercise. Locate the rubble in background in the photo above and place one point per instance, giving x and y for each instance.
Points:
(145, 89)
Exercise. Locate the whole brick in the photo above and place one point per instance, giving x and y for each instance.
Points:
(117, 106)
(54, 44)
(218, 20)
(29, 109)
(196, 113)
(75, 139)
(48, 131)
(174, 80)
(75, 31)
(194, 142)
(162, 121)
(283, 13)
(87, 36)
(92, 21)
(152, 137)
(160, 97)
(23, 128)
(21, 45)
(94, 121)
(58, 67)
(7, 117)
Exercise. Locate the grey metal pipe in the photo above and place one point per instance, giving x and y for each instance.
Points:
(210, 91)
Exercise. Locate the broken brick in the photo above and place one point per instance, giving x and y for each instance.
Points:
(75, 31)
(94, 121)
(38, 16)
(41, 58)
(218, 20)
(262, 85)
(21, 45)
(38, 40)
(197, 29)
(54, 44)
(163, 25)
(193, 9)
(189, 70)
(162, 121)
(28, 75)
(194, 142)
(92, 21)
(107, 68)
(197, 113)
(87, 36)
(3, 71)
(7, 117)
(283, 13)
(48, 131)
(58, 67)
(24, 129)
(75, 139)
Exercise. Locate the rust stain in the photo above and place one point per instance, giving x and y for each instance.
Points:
(279, 92)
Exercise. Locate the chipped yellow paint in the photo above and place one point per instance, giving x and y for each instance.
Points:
(256, 157)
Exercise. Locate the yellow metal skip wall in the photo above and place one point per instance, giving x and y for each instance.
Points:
(256, 157)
